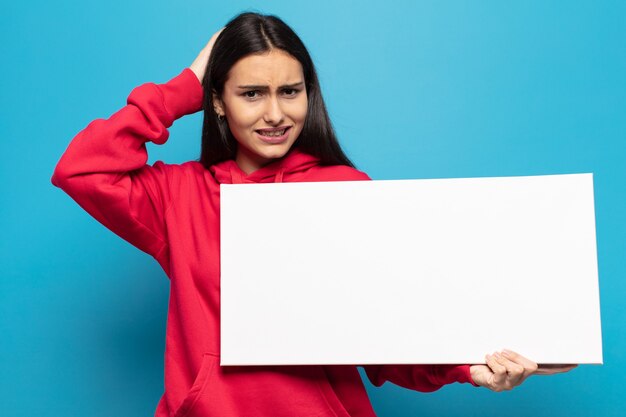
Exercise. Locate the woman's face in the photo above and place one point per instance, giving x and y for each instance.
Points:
(265, 103)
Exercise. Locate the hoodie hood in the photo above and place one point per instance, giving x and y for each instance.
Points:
(228, 172)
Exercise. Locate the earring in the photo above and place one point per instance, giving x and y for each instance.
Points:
(220, 117)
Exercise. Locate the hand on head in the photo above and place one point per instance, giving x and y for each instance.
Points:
(199, 64)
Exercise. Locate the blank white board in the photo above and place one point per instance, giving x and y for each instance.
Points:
(409, 271)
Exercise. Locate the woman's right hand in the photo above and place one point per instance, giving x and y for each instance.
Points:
(199, 64)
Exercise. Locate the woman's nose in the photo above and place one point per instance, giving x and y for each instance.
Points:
(273, 112)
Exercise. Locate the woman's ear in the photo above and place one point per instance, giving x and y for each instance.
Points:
(218, 106)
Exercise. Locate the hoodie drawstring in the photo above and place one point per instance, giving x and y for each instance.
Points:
(279, 175)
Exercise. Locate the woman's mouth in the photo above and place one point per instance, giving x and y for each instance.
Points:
(274, 135)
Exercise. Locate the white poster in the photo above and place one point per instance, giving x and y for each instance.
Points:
(409, 271)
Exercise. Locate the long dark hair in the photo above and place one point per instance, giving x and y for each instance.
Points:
(253, 33)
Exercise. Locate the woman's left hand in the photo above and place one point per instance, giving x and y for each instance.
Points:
(508, 369)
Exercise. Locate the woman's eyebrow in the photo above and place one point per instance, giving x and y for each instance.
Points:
(265, 87)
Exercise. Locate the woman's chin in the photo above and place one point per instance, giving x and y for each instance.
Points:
(252, 160)
(274, 152)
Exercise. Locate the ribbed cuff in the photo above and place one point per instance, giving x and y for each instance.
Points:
(464, 375)
(182, 94)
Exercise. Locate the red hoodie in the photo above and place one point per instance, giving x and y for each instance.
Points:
(172, 213)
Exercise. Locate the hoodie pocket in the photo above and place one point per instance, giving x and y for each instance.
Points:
(198, 386)
(255, 391)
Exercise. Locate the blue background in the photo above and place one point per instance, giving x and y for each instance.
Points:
(415, 90)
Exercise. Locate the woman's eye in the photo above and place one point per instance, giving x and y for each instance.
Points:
(290, 91)
(251, 94)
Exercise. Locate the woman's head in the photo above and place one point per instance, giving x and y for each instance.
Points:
(259, 81)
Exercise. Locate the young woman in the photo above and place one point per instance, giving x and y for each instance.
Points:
(264, 121)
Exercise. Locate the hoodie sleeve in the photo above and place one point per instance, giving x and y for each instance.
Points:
(104, 167)
(425, 378)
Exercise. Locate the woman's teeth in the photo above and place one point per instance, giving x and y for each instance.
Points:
(273, 133)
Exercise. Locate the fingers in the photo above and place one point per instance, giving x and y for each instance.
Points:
(554, 369)
(533, 368)
(209, 46)
(510, 369)
(506, 373)
(529, 366)
(499, 373)
(198, 66)
(516, 372)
